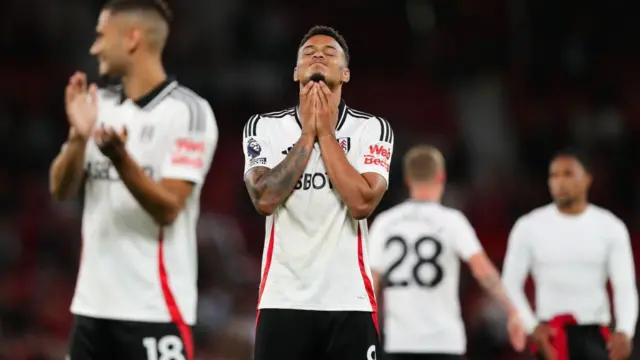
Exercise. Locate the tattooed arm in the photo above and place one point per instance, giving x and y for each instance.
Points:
(268, 188)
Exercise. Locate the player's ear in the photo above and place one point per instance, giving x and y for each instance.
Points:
(346, 75)
(133, 39)
(588, 180)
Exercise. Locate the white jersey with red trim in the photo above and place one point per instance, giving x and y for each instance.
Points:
(131, 268)
(315, 252)
(417, 247)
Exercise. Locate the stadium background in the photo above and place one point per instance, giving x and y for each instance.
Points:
(498, 85)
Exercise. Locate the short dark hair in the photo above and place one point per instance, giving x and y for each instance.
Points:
(159, 7)
(327, 31)
(576, 153)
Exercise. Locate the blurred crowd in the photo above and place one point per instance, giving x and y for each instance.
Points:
(498, 85)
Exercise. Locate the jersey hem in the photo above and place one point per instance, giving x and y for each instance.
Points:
(424, 352)
(316, 307)
(157, 320)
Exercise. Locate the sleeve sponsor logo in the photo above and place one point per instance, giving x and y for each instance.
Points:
(379, 156)
(189, 153)
(190, 145)
(258, 161)
(188, 161)
(379, 150)
(253, 148)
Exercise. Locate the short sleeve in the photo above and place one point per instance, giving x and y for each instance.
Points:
(256, 146)
(375, 148)
(466, 240)
(193, 139)
(377, 238)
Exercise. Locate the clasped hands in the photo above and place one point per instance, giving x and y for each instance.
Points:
(81, 102)
(318, 110)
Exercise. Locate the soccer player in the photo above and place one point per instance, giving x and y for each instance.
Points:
(142, 152)
(415, 249)
(571, 248)
(317, 171)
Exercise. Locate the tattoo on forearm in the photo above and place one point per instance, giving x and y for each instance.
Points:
(275, 185)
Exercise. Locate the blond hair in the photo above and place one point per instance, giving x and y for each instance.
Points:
(423, 163)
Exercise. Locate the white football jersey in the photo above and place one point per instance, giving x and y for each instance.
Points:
(570, 258)
(417, 246)
(315, 252)
(131, 268)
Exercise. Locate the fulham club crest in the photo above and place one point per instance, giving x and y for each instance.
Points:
(345, 144)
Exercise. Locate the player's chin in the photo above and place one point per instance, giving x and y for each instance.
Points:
(563, 200)
(104, 69)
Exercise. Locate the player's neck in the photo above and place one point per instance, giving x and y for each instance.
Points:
(143, 77)
(425, 194)
(576, 208)
(337, 89)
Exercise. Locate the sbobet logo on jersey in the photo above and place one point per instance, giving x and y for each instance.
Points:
(379, 155)
(104, 170)
(314, 181)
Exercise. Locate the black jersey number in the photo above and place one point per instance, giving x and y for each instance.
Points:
(422, 261)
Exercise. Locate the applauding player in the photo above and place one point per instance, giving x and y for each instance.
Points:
(142, 152)
(317, 171)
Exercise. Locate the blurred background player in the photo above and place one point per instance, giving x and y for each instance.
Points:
(316, 298)
(415, 250)
(143, 151)
(571, 248)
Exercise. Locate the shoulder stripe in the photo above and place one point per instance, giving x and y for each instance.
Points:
(254, 129)
(251, 128)
(361, 113)
(355, 115)
(280, 114)
(381, 129)
(197, 122)
(201, 120)
(247, 126)
(385, 130)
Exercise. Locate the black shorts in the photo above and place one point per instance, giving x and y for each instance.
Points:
(422, 357)
(283, 334)
(585, 342)
(101, 339)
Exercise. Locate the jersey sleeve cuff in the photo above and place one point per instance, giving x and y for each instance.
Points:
(627, 331)
(384, 174)
(257, 165)
(192, 177)
(530, 324)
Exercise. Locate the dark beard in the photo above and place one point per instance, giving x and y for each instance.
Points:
(565, 203)
(317, 77)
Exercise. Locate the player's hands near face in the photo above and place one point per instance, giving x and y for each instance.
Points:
(308, 101)
(110, 142)
(619, 346)
(542, 338)
(327, 110)
(517, 333)
(81, 105)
